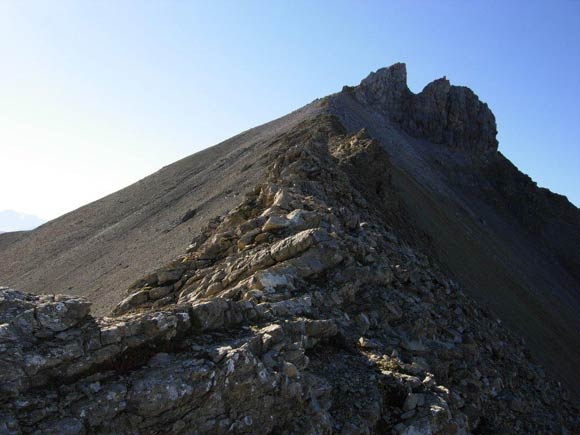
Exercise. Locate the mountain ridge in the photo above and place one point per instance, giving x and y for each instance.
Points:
(441, 113)
(458, 177)
(436, 183)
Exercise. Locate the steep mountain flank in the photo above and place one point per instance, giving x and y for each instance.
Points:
(301, 310)
(342, 269)
(92, 251)
(511, 244)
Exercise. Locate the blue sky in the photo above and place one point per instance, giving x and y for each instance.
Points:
(96, 95)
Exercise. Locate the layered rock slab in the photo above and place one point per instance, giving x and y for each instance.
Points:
(299, 311)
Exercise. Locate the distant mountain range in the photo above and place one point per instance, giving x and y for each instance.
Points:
(11, 220)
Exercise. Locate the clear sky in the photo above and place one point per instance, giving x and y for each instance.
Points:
(95, 95)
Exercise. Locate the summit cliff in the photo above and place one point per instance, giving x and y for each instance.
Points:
(441, 113)
(367, 264)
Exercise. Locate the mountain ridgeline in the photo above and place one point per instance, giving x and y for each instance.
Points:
(368, 264)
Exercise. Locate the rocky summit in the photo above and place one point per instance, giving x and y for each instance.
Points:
(325, 297)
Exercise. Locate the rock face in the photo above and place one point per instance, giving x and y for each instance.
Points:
(304, 309)
(511, 244)
(152, 219)
(441, 113)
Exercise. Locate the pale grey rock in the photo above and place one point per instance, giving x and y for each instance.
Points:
(159, 292)
(262, 334)
(132, 301)
(275, 223)
(168, 276)
(62, 313)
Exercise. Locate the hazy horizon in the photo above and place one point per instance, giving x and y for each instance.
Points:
(11, 220)
(96, 96)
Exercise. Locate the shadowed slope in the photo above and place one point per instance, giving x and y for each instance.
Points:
(512, 244)
(300, 311)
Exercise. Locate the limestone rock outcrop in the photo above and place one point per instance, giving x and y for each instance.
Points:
(302, 310)
(440, 113)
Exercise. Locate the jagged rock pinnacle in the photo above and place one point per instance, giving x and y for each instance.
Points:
(440, 113)
(387, 87)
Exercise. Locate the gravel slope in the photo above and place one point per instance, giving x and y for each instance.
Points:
(98, 250)
(521, 266)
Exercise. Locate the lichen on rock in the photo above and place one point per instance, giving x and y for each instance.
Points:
(300, 311)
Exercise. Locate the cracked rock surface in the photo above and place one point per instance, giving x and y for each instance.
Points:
(301, 311)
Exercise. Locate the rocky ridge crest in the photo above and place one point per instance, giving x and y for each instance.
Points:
(300, 311)
(441, 113)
